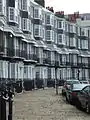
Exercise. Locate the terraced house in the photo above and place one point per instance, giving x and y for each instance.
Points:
(34, 41)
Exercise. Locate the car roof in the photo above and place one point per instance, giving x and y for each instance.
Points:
(79, 86)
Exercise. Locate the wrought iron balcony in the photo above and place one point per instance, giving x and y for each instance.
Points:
(24, 54)
(73, 64)
(10, 52)
(51, 62)
(45, 61)
(33, 57)
(57, 63)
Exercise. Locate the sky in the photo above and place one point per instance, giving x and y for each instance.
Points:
(69, 6)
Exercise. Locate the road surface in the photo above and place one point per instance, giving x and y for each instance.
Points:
(45, 105)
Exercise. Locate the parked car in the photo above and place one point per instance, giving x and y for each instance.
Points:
(83, 98)
(84, 82)
(71, 93)
(67, 84)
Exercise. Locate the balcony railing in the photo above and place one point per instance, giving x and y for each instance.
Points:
(10, 52)
(56, 63)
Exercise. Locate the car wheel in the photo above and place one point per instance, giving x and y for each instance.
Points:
(67, 99)
(78, 104)
(63, 93)
(87, 108)
(71, 101)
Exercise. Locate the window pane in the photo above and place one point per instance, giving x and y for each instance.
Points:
(48, 35)
(36, 13)
(11, 14)
(24, 4)
(48, 19)
(36, 30)
(59, 24)
(60, 38)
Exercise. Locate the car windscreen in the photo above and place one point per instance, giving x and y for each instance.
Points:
(73, 82)
(69, 82)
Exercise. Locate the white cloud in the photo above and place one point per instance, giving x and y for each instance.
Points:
(69, 6)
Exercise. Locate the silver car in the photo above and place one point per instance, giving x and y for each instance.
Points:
(67, 84)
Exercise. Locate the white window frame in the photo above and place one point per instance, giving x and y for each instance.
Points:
(1, 7)
(55, 23)
(29, 24)
(40, 30)
(66, 27)
(32, 30)
(43, 33)
(79, 44)
(32, 11)
(43, 18)
(52, 20)
(13, 13)
(74, 28)
(60, 38)
(24, 5)
(36, 13)
(1, 69)
(48, 36)
(52, 32)
(84, 44)
(67, 40)
(60, 26)
(71, 28)
(78, 30)
(36, 27)
(48, 20)
(55, 37)
(73, 42)
(25, 24)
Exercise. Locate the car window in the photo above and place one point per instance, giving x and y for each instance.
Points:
(69, 82)
(75, 82)
(86, 89)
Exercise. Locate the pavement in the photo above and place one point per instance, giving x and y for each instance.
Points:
(45, 105)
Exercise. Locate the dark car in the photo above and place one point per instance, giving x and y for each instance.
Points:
(83, 100)
(72, 91)
(67, 83)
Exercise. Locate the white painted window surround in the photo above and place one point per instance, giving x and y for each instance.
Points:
(26, 24)
(3, 7)
(84, 32)
(73, 42)
(1, 69)
(24, 5)
(37, 30)
(48, 35)
(84, 44)
(13, 14)
(37, 13)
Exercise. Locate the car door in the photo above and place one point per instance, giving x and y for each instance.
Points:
(83, 96)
